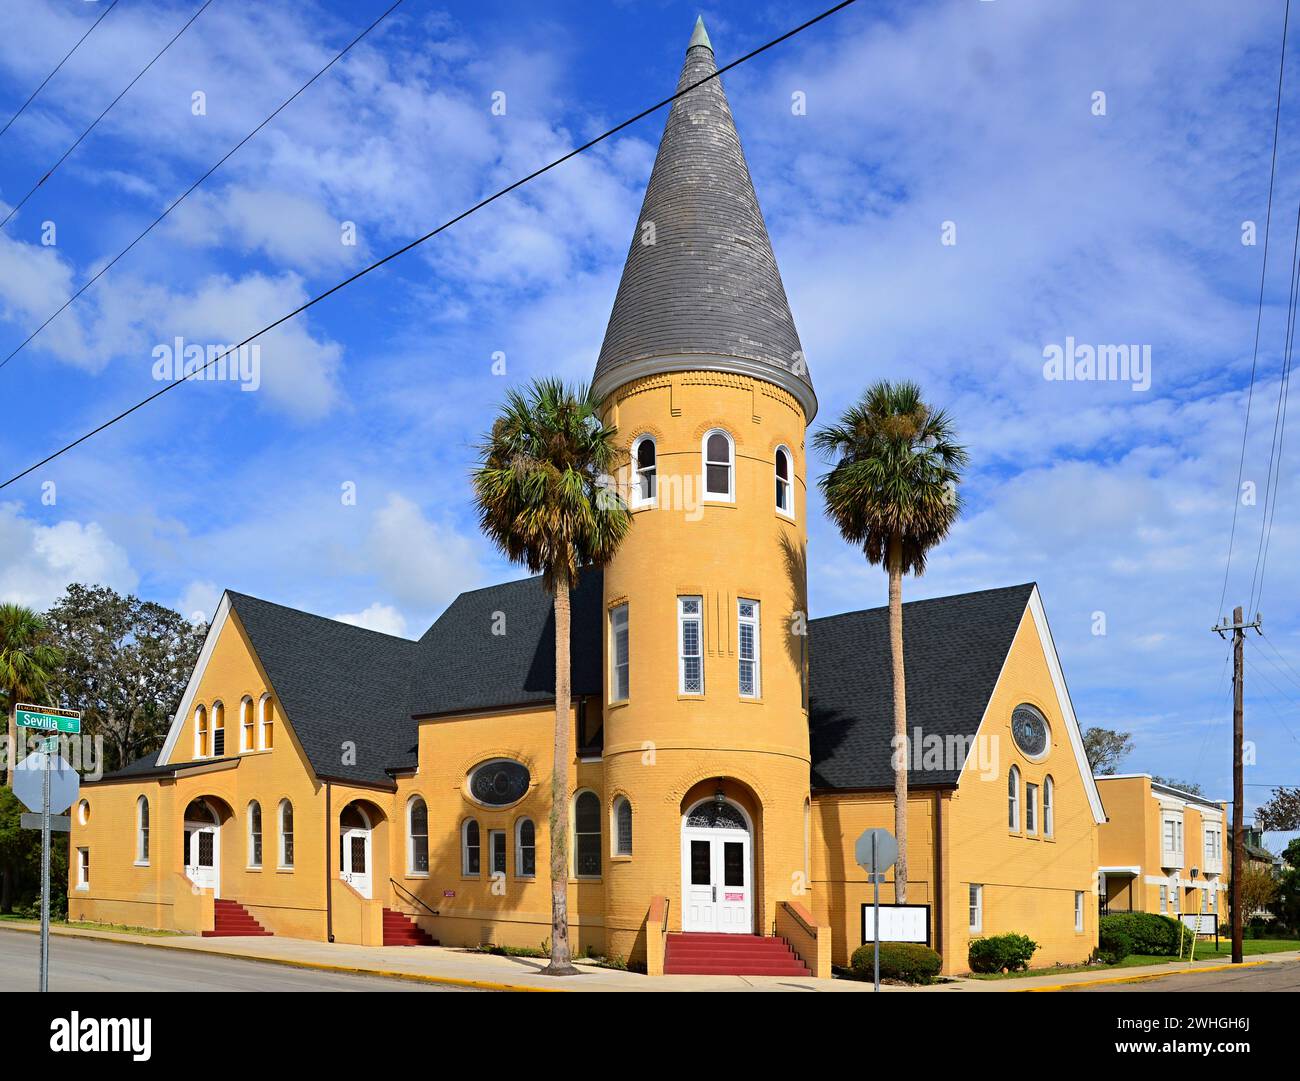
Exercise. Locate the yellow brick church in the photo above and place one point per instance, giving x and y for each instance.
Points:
(328, 782)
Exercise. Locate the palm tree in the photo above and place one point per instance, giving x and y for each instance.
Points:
(545, 499)
(893, 490)
(27, 663)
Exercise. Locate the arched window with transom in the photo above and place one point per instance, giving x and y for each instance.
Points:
(645, 461)
(622, 826)
(586, 835)
(417, 830)
(784, 481)
(719, 466)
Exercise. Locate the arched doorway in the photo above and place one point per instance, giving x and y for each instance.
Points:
(202, 847)
(355, 849)
(717, 868)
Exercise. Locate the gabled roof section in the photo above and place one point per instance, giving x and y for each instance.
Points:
(494, 648)
(954, 648)
(337, 684)
(706, 293)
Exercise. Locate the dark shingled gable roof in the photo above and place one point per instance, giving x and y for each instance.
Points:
(954, 649)
(463, 664)
(337, 684)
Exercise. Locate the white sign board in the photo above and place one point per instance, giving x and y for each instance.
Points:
(1203, 923)
(898, 923)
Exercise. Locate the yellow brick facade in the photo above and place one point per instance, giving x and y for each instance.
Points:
(664, 751)
(1139, 872)
(959, 837)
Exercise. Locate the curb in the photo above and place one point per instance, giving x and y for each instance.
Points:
(1142, 978)
(320, 966)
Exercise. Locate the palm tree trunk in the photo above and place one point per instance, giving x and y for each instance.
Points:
(900, 716)
(561, 957)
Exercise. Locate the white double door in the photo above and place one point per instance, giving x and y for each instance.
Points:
(717, 881)
(354, 859)
(203, 856)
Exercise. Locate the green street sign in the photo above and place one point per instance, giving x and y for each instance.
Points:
(49, 719)
(48, 745)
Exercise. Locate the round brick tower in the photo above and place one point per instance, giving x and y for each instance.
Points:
(705, 718)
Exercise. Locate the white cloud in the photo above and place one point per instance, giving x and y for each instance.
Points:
(199, 601)
(423, 564)
(38, 562)
(377, 617)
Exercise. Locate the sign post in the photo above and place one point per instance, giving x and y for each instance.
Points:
(47, 760)
(876, 852)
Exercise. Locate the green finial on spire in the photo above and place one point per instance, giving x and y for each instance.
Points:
(700, 36)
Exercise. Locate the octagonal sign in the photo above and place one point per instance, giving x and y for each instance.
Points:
(29, 776)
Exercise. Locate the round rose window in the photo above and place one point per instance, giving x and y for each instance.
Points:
(1029, 730)
(499, 782)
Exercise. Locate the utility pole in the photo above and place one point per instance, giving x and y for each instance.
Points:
(1238, 629)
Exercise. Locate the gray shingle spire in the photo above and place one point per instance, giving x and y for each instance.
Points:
(700, 288)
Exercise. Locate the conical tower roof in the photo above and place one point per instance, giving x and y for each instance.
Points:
(700, 288)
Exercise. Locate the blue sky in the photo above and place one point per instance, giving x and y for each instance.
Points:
(1117, 228)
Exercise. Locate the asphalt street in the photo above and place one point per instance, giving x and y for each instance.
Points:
(78, 964)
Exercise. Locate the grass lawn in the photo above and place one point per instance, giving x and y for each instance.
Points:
(1205, 951)
(86, 925)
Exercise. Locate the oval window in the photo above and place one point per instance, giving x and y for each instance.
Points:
(499, 782)
(1029, 730)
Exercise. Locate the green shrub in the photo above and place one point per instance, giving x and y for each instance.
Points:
(1001, 953)
(1149, 932)
(1115, 944)
(909, 962)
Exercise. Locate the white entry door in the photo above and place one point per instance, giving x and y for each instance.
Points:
(354, 859)
(717, 872)
(203, 856)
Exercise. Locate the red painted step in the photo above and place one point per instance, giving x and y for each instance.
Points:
(233, 920)
(401, 930)
(711, 954)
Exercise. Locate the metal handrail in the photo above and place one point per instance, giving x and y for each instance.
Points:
(413, 898)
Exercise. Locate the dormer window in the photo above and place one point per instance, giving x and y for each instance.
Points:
(719, 454)
(645, 488)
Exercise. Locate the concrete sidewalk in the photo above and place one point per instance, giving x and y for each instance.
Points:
(465, 968)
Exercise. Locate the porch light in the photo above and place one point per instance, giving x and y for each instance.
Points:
(718, 797)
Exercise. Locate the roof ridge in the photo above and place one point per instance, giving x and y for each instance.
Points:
(236, 595)
(927, 600)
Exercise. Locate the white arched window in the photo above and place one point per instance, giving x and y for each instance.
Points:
(200, 733)
(525, 849)
(286, 834)
(470, 848)
(246, 724)
(266, 739)
(719, 466)
(645, 461)
(1013, 799)
(254, 834)
(784, 481)
(218, 730)
(142, 830)
(1049, 806)
(586, 835)
(622, 827)
(417, 831)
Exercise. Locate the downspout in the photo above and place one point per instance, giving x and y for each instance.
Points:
(329, 893)
(939, 901)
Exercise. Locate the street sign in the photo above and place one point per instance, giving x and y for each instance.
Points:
(49, 719)
(58, 823)
(29, 782)
(876, 852)
(886, 851)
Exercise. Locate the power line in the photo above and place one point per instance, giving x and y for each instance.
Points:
(57, 66)
(1259, 315)
(1260, 672)
(188, 191)
(429, 235)
(50, 172)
